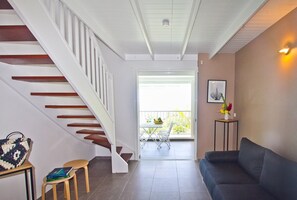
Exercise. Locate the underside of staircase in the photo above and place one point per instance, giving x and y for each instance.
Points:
(78, 116)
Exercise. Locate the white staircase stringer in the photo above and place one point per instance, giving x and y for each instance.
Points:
(119, 165)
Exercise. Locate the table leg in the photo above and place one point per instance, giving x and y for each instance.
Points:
(75, 187)
(27, 189)
(214, 136)
(227, 136)
(55, 191)
(237, 136)
(87, 179)
(66, 186)
(224, 139)
(43, 191)
(32, 183)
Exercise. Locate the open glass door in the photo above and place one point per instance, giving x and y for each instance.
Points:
(163, 100)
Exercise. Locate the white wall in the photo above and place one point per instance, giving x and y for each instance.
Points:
(52, 146)
(125, 85)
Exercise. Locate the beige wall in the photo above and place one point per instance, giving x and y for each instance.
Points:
(221, 67)
(266, 92)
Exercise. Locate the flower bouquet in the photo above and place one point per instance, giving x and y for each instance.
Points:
(225, 109)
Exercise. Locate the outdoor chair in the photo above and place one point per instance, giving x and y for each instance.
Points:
(163, 137)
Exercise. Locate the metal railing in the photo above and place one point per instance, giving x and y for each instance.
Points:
(181, 120)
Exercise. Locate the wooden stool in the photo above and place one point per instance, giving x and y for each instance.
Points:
(77, 164)
(66, 186)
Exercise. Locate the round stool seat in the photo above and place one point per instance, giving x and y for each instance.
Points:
(77, 164)
(66, 186)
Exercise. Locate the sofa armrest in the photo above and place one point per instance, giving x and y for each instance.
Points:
(222, 156)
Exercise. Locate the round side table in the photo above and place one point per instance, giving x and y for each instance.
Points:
(77, 164)
(66, 186)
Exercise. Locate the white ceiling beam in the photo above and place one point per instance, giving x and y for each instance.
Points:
(243, 17)
(78, 8)
(137, 13)
(194, 11)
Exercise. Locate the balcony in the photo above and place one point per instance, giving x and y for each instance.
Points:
(182, 128)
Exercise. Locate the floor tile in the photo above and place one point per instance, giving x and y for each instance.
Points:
(146, 180)
(172, 195)
(178, 150)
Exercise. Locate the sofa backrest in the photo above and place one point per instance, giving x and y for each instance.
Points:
(279, 176)
(251, 157)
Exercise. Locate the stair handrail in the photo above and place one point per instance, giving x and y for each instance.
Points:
(83, 43)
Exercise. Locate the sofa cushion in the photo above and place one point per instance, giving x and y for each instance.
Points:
(222, 156)
(279, 176)
(251, 157)
(241, 192)
(223, 173)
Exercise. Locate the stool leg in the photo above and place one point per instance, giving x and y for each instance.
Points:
(66, 187)
(87, 178)
(55, 191)
(75, 187)
(43, 191)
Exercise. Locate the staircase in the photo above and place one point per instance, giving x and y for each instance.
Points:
(71, 70)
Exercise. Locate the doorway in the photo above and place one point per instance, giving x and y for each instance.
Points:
(167, 101)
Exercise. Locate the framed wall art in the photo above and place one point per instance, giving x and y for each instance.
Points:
(215, 90)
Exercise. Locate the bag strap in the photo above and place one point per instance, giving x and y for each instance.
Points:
(15, 133)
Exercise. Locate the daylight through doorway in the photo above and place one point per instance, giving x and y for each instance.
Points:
(166, 116)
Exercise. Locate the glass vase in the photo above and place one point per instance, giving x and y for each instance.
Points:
(226, 116)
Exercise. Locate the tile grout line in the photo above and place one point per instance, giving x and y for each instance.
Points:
(177, 175)
(153, 182)
(128, 180)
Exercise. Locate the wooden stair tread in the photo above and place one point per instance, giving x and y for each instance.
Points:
(55, 94)
(26, 59)
(126, 156)
(86, 131)
(93, 125)
(103, 144)
(76, 116)
(40, 78)
(16, 33)
(5, 5)
(66, 106)
(96, 138)
(119, 149)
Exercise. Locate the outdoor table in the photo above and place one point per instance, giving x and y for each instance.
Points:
(149, 129)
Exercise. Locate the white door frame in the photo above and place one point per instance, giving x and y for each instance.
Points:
(194, 104)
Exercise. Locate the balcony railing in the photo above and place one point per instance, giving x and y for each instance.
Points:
(181, 119)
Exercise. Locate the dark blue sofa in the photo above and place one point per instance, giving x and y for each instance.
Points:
(252, 173)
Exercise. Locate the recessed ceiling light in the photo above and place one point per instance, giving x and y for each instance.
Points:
(165, 22)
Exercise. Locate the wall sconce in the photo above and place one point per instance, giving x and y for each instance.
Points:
(285, 50)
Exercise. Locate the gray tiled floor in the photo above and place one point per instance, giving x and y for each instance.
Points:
(146, 180)
(178, 150)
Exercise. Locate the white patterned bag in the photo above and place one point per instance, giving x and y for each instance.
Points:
(13, 151)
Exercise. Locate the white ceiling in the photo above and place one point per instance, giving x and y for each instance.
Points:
(133, 28)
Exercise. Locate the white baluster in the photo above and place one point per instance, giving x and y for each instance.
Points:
(101, 79)
(88, 56)
(104, 86)
(76, 38)
(62, 19)
(92, 63)
(83, 46)
(97, 64)
(69, 29)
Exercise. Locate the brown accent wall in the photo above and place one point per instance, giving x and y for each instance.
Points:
(266, 88)
(221, 67)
